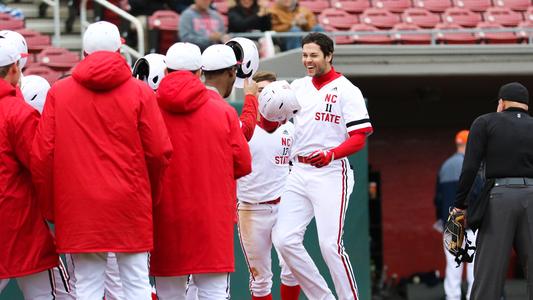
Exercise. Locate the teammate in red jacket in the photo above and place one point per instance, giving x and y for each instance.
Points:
(195, 218)
(98, 155)
(27, 252)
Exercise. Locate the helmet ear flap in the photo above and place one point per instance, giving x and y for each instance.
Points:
(141, 69)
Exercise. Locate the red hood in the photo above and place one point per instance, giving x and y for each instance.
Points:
(181, 92)
(102, 71)
(6, 89)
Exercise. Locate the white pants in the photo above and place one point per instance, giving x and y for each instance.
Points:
(210, 286)
(38, 286)
(323, 194)
(90, 276)
(453, 278)
(256, 222)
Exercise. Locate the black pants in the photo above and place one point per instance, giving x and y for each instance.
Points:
(508, 223)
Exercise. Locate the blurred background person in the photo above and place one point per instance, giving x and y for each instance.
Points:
(202, 25)
(249, 15)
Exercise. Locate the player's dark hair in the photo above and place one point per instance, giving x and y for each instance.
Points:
(322, 40)
(264, 76)
(5, 69)
(169, 70)
(215, 73)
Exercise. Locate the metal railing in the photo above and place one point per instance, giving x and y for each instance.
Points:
(57, 22)
(123, 14)
(395, 35)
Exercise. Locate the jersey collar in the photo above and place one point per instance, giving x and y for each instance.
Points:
(516, 109)
(321, 81)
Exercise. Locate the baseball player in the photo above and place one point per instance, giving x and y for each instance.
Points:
(259, 193)
(332, 123)
(28, 251)
(97, 158)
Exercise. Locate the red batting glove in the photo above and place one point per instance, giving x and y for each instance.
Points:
(320, 158)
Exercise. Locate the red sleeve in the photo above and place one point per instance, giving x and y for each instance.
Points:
(156, 143)
(42, 158)
(354, 143)
(242, 158)
(23, 129)
(249, 116)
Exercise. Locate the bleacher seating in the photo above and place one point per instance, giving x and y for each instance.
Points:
(473, 5)
(379, 17)
(337, 18)
(47, 73)
(163, 27)
(420, 17)
(436, 6)
(351, 6)
(524, 35)
(58, 59)
(495, 37)
(375, 39)
(454, 37)
(503, 16)
(7, 22)
(401, 37)
(316, 6)
(516, 5)
(396, 6)
(461, 16)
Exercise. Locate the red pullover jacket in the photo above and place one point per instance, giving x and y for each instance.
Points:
(195, 218)
(98, 155)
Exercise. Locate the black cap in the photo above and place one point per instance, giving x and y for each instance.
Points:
(514, 91)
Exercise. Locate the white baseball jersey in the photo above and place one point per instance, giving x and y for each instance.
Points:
(270, 165)
(327, 115)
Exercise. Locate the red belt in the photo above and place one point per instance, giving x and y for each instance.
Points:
(303, 159)
(275, 201)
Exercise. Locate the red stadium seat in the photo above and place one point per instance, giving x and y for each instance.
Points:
(163, 26)
(379, 17)
(339, 19)
(503, 16)
(420, 17)
(351, 6)
(316, 6)
(461, 16)
(35, 40)
(339, 39)
(375, 39)
(396, 6)
(58, 59)
(37, 69)
(528, 15)
(454, 37)
(495, 37)
(517, 5)
(9, 23)
(410, 38)
(523, 34)
(437, 6)
(473, 5)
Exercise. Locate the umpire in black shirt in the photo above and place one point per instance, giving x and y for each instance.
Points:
(504, 140)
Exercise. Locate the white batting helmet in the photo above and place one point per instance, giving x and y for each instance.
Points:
(277, 101)
(150, 69)
(19, 42)
(247, 57)
(34, 89)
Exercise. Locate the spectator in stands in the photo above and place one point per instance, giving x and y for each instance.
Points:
(249, 15)
(287, 16)
(202, 25)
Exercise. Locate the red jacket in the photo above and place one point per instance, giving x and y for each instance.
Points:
(26, 245)
(98, 156)
(193, 222)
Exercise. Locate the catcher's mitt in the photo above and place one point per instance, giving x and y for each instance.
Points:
(456, 239)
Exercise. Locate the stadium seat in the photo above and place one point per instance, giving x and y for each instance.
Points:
(409, 38)
(35, 40)
(461, 16)
(9, 23)
(523, 34)
(316, 6)
(58, 59)
(37, 69)
(454, 37)
(436, 6)
(375, 39)
(528, 15)
(503, 16)
(339, 39)
(351, 6)
(379, 17)
(473, 5)
(516, 5)
(495, 37)
(420, 17)
(336, 18)
(163, 26)
(396, 6)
